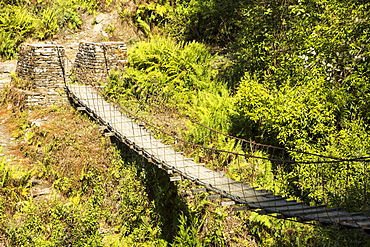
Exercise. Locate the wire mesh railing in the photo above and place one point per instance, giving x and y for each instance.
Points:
(130, 130)
(324, 180)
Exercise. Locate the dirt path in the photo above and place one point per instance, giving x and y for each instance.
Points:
(99, 28)
(9, 147)
(6, 141)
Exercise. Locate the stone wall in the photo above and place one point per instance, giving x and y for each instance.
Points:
(42, 67)
(94, 60)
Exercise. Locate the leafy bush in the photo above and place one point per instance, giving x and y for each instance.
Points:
(173, 72)
(209, 21)
(293, 115)
(54, 224)
(149, 16)
(15, 25)
(304, 90)
(48, 24)
(20, 20)
(188, 234)
(8, 45)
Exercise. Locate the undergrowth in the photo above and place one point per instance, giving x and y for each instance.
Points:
(22, 20)
(96, 194)
(158, 67)
(297, 79)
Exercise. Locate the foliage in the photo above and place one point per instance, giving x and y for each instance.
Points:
(14, 182)
(48, 24)
(15, 25)
(93, 197)
(53, 224)
(182, 75)
(290, 115)
(20, 20)
(299, 73)
(296, 77)
(276, 232)
(187, 235)
(207, 21)
(150, 15)
(301, 91)
(166, 69)
(98, 196)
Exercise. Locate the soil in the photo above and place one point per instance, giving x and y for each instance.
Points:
(6, 141)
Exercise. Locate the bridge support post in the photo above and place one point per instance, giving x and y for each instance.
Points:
(95, 60)
(41, 70)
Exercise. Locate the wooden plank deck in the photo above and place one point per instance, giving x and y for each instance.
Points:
(141, 140)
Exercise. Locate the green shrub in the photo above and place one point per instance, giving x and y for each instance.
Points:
(20, 20)
(48, 23)
(171, 71)
(16, 23)
(8, 45)
(188, 233)
(209, 21)
(53, 224)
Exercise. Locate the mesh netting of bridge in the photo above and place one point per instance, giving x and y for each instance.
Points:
(141, 136)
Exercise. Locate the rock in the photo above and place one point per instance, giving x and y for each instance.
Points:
(7, 68)
(99, 18)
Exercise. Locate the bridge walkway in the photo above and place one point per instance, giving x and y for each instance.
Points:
(246, 197)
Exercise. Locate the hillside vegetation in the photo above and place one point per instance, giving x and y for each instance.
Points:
(293, 74)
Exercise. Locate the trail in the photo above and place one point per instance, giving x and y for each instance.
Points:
(6, 141)
(9, 146)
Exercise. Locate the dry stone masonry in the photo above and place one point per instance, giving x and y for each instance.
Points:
(95, 60)
(42, 66)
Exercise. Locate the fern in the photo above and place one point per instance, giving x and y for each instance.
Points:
(8, 45)
(48, 24)
(187, 234)
(15, 25)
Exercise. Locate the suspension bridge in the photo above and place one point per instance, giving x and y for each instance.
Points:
(134, 132)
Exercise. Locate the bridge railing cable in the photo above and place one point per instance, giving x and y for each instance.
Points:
(176, 138)
(317, 169)
(175, 111)
(315, 187)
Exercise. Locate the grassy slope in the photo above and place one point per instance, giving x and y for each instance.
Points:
(99, 197)
(95, 195)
